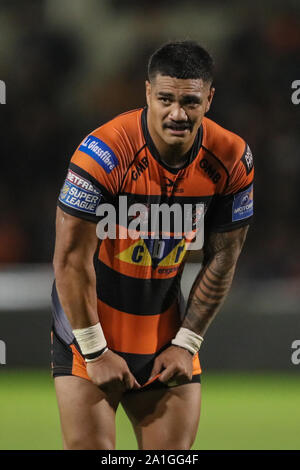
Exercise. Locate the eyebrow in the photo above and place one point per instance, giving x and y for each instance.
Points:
(185, 98)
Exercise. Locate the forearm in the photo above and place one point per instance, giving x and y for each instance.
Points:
(76, 286)
(207, 296)
(214, 281)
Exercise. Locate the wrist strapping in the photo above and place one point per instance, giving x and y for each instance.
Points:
(92, 341)
(188, 339)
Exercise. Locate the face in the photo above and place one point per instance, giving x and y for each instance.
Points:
(176, 108)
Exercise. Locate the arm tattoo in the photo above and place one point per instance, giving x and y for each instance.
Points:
(214, 280)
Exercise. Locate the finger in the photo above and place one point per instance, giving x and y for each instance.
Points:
(136, 385)
(167, 374)
(177, 380)
(151, 380)
(184, 375)
(157, 368)
(128, 380)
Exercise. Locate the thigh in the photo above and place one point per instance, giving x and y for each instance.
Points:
(87, 414)
(165, 418)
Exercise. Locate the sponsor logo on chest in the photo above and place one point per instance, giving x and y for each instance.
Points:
(210, 170)
(139, 168)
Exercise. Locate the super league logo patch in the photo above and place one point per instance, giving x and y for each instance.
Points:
(78, 193)
(247, 160)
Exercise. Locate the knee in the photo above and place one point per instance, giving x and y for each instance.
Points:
(80, 442)
(182, 443)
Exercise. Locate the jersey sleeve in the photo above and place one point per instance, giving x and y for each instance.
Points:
(233, 208)
(94, 176)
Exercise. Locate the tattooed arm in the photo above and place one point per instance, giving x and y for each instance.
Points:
(208, 293)
(212, 285)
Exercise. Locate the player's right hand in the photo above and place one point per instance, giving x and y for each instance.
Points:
(109, 371)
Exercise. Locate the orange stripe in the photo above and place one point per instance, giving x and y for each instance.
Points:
(138, 334)
(78, 366)
(196, 365)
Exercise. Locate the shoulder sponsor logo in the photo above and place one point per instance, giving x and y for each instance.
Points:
(100, 152)
(243, 205)
(210, 170)
(80, 194)
(247, 160)
(139, 168)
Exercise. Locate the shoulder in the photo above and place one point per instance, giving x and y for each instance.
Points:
(226, 146)
(106, 153)
(122, 136)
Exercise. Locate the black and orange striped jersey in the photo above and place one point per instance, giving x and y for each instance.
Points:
(138, 280)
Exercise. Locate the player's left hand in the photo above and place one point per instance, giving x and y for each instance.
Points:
(173, 363)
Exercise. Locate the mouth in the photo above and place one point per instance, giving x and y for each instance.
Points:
(177, 129)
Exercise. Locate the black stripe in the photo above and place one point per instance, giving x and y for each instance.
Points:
(135, 295)
(77, 213)
(163, 198)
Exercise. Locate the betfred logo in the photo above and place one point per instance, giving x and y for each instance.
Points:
(81, 182)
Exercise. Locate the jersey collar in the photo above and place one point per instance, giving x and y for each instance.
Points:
(191, 155)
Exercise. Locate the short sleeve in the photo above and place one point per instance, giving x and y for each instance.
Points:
(93, 178)
(233, 208)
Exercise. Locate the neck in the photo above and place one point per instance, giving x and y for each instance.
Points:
(172, 155)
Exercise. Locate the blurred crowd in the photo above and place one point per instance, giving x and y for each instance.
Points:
(59, 88)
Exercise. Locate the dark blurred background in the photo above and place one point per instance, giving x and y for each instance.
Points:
(71, 65)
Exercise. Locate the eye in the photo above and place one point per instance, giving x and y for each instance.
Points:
(165, 100)
(192, 105)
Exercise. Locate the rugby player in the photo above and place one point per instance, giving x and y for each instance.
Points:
(120, 331)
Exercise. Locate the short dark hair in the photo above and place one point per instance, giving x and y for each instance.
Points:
(181, 59)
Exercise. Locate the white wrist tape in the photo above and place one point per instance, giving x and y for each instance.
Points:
(90, 339)
(188, 339)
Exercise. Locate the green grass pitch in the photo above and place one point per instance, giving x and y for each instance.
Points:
(239, 411)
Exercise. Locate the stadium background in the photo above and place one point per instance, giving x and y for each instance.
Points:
(70, 65)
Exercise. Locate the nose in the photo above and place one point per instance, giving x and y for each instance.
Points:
(177, 113)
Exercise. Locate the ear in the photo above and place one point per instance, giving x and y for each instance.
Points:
(148, 91)
(209, 99)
